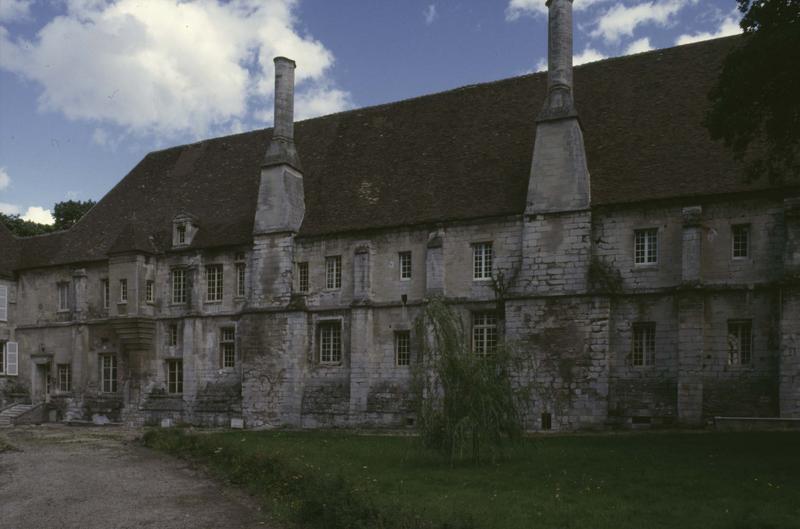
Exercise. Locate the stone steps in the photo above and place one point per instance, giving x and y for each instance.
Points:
(8, 415)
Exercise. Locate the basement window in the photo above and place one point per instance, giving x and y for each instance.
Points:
(740, 342)
(175, 376)
(547, 421)
(645, 246)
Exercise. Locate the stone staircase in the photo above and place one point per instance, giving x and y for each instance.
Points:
(8, 415)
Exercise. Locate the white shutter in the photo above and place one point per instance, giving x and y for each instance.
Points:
(12, 356)
(3, 303)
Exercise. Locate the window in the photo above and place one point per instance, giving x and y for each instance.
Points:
(484, 333)
(740, 236)
(482, 260)
(214, 283)
(645, 246)
(172, 335)
(302, 277)
(106, 293)
(402, 348)
(240, 275)
(9, 354)
(644, 344)
(333, 271)
(181, 231)
(64, 377)
(227, 346)
(123, 290)
(3, 303)
(63, 297)
(330, 342)
(179, 285)
(175, 376)
(405, 265)
(149, 295)
(108, 373)
(740, 342)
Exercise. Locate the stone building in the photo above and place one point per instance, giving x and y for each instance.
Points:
(274, 276)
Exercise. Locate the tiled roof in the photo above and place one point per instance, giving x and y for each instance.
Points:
(460, 154)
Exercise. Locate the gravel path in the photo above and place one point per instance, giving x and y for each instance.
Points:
(97, 478)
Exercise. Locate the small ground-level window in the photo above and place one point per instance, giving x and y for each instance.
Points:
(175, 375)
(402, 348)
(108, 373)
(64, 377)
(740, 342)
(484, 333)
(547, 421)
(740, 239)
(644, 344)
(227, 343)
(330, 342)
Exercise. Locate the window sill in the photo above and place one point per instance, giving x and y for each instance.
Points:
(481, 279)
(645, 266)
(329, 364)
(213, 302)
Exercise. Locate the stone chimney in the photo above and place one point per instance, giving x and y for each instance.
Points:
(559, 178)
(281, 149)
(281, 201)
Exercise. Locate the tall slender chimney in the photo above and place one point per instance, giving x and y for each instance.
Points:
(281, 149)
(559, 60)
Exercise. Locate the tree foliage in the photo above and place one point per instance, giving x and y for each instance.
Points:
(467, 405)
(66, 214)
(755, 108)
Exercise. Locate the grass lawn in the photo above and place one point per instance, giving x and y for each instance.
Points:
(614, 481)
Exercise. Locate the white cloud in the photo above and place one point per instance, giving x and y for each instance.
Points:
(430, 14)
(9, 209)
(73, 195)
(169, 68)
(40, 215)
(621, 20)
(729, 26)
(5, 180)
(518, 8)
(588, 55)
(13, 10)
(639, 46)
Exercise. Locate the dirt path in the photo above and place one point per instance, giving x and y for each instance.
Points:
(96, 478)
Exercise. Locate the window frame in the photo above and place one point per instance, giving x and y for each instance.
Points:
(241, 278)
(180, 234)
(303, 283)
(172, 335)
(333, 356)
(333, 272)
(227, 347)
(738, 229)
(647, 247)
(63, 296)
(485, 333)
(112, 382)
(405, 265)
(402, 348)
(123, 290)
(175, 376)
(9, 349)
(150, 291)
(3, 303)
(3, 357)
(643, 344)
(482, 260)
(174, 273)
(737, 358)
(106, 286)
(61, 370)
(215, 283)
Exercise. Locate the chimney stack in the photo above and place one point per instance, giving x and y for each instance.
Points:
(281, 149)
(559, 60)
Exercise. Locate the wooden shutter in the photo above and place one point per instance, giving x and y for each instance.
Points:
(12, 358)
(3, 303)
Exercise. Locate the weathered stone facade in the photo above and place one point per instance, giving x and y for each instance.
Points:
(627, 312)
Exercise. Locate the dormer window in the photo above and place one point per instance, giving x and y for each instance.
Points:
(184, 228)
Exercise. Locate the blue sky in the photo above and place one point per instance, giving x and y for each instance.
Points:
(88, 87)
